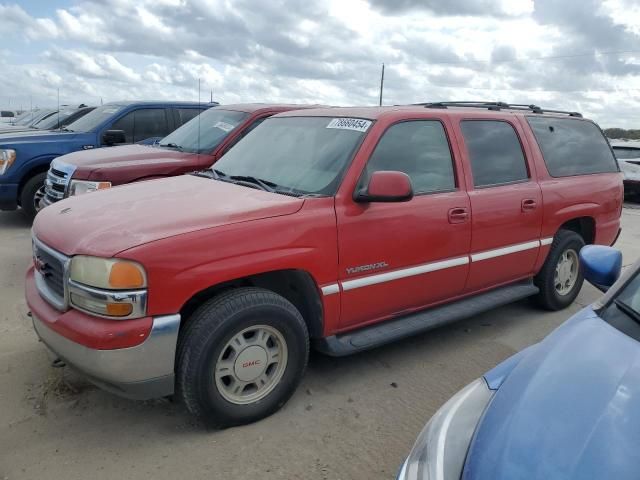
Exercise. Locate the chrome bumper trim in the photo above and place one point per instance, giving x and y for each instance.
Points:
(138, 299)
(141, 372)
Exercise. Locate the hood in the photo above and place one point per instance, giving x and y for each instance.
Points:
(107, 222)
(33, 136)
(97, 164)
(13, 128)
(569, 410)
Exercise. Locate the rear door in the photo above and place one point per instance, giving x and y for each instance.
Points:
(506, 203)
(399, 257)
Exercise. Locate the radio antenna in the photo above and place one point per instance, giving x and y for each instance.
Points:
(200, 110)
(59, 126)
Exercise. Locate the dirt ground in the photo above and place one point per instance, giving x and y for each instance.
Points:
(352, 418)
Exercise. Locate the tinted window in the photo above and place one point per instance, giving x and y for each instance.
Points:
(495, 152)
(625, 153)
(6, 114)
(149, 122)
(418, 148)
(572, 147)
(125, 124)
(186, 114)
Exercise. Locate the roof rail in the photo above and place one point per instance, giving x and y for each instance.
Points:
(497, 106)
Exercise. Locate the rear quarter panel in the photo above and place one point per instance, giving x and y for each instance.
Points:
(598, 196)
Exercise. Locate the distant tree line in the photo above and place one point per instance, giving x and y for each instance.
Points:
(622, 133)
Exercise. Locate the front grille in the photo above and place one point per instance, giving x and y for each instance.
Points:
(50, 268)
(55, 185)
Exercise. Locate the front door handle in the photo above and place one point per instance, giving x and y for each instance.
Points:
(458, 215)
(528, 204)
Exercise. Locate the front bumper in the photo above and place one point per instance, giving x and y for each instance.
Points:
(8, 196)
(141, 372)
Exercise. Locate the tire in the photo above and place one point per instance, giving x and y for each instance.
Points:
(556, 294)
(28, 194)
(211, 366)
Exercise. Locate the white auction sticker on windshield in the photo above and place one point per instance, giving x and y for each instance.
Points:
(356, 124)
(227, 127)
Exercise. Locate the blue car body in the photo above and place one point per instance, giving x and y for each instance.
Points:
(35, 150)
(568, 409)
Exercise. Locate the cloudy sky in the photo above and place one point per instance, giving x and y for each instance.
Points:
(573, 54)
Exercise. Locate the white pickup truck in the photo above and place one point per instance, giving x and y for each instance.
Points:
(628, 154)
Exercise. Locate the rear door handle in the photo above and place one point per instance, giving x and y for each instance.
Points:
(528, 204)
(458, 215)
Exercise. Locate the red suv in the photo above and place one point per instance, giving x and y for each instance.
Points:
(347, 228)
(195, 145)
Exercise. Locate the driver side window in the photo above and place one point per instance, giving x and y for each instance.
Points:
(126, 124)
(418, 148)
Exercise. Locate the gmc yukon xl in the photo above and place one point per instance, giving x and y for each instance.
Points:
(342, 228)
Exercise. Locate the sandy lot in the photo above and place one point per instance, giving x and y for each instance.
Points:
(353, 417)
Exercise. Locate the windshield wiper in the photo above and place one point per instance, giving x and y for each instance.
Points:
(171, 145)
(265, 185)
(65, 129)
(628, 310)
(211, 173)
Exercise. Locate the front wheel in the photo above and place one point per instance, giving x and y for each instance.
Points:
(29, 195)
(560, 278)
(241, 357)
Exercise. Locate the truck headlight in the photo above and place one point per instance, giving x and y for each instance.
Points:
(441, 448)
(7, 157)
(79, 187)
(108, 287)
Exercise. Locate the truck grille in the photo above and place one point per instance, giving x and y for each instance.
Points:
(51, 272)
(57, 181)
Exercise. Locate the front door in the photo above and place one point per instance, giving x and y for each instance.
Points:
(399, 257)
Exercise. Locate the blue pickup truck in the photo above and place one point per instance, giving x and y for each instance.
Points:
(25, 156)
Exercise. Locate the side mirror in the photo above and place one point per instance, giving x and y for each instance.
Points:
(386, 186)
(113, 137)
(601, 266)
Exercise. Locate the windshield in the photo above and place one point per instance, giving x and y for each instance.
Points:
(94, 118)
(52, 120)
(624, 153)
(34, 117)
(306, 155)
(213, 126)
(630, 295)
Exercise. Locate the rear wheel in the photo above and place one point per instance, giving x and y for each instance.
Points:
(29, 194)
(241, 357)
(560, 278)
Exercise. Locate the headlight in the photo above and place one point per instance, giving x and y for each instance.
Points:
(108, 287)
(79, 187)
(7, 157)
(441, 448)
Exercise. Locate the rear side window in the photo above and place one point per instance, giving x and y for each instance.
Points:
(421, 150)
(495, 152)
(187, 114)
(572, 147)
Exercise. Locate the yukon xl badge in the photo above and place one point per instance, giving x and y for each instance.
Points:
(366, 268)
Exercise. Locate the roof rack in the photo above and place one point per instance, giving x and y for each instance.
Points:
(497, 106)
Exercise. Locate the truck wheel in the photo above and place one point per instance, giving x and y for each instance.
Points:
(28, 194)
(560, 278)
(241, 357)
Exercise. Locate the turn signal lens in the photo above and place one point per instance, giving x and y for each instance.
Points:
(126, 275)
(119, 309)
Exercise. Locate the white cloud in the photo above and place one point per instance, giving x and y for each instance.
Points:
(330, 52)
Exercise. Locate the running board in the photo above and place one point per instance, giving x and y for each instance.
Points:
(392, 330)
